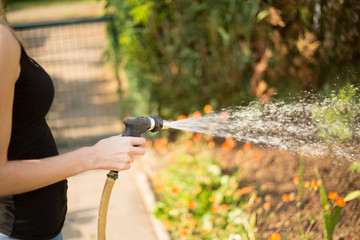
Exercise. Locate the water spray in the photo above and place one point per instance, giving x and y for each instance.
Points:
(286, 126)
(134, 126)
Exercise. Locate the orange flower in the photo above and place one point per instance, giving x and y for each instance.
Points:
(181, 117)
(214, 208)
(286, 197)
(296, 180)
(267, 205)
(340, 202)
(175, 190)
(197, 190)
(211, 199)
(196, 137)
(204, 231)
(223, 206)
(243, 191)
(333, 195)
(211, 144)
(231, 141)
(191, 223)
(314, 185)
(247, 146)
(274, 236)
(192, 204)
(160, 145)
(225, 146)
(148, 143)
(306, 184)
(240, 153)
(188, 144)
(167, 224)
(158, 187)
(183, 231)
(196, 114)
(228, 144)
(207, 109)
(257, 156)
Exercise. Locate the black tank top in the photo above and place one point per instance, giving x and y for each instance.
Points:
(38, 214)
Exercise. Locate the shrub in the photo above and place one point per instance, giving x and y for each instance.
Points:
(181, 55)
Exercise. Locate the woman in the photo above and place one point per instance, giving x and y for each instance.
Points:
(32, 174)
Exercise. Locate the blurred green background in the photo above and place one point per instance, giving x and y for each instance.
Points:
(179, 56)
(173, 57)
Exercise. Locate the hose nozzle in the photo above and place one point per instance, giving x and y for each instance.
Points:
(135, 126)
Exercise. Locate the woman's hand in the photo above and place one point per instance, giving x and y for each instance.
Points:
(116, 153)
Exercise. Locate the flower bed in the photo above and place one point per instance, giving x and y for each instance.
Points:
(230, 191)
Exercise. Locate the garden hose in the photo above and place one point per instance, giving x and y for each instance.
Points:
(104, 204)
(134, 126)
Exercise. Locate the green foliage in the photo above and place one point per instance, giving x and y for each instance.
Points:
(187, 53)
(198, 201)
(330, 213)
(301, 178)
(355, 166)
(331, 210)
(351, 196)
(337, 115)
(181, 55)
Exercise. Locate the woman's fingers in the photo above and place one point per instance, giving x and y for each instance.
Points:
(130, 160)
(123, 166)
(117, 152)
(136, 141)
(137, 151)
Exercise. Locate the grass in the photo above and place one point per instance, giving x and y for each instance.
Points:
(23, 4)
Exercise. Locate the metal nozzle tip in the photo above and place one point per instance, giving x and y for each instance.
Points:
(166, 124)
(152, 123)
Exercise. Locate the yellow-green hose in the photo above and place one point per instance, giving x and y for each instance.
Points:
(104, 204)
(135, 126)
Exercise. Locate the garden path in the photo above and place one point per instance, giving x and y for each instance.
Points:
(129, 211)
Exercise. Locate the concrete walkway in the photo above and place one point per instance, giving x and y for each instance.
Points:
(131, 203)
(57, 12)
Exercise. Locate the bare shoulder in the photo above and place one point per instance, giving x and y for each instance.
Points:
(7, 39)
(10, 52)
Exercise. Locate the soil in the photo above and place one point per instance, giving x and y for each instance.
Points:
(273, 173)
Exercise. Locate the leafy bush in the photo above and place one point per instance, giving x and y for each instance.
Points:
(187, 53)
(181, 55)
(337, 116)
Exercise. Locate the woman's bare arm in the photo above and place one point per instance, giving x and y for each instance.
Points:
(19, 176)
